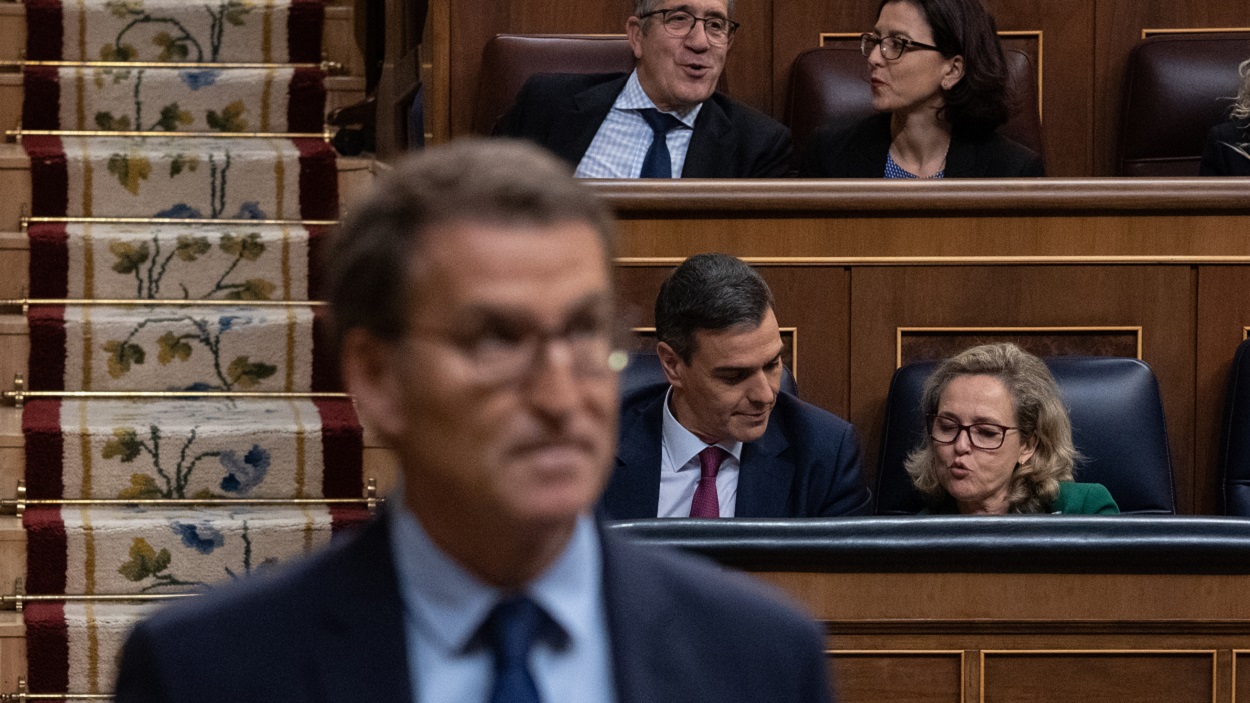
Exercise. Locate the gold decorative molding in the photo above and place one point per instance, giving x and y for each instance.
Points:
(1126, 260)
(1147, 33)
(899, 332)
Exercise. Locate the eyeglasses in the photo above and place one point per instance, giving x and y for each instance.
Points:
(891, 47)
(982, 435)
(680, 23)
(502, 355)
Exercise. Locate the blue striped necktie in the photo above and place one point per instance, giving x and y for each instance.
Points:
(658, 163)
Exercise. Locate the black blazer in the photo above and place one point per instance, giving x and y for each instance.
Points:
(1218, 158)
(859, 149)
(562, 112)
(805, 465)
(331, 630)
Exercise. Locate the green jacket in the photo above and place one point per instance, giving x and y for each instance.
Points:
(1073, 499)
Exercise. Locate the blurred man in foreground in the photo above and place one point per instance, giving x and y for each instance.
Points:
(474, 312)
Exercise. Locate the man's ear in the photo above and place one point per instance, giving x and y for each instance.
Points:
(633, 31)
(671, 362)
(370, 375)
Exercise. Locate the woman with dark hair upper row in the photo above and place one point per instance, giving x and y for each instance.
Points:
(1227, 152)
(939, 80)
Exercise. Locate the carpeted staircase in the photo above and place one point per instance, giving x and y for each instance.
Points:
(191, 419)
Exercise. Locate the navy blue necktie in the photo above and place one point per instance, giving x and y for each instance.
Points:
(510, 631)
(658, 163)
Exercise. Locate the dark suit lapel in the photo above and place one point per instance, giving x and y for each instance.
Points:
(963, 159)
(634, 489)
(573, 131)
(639, 612)
(711, 145)
(359, 647)
(764, 479)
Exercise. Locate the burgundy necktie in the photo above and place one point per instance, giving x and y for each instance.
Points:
(706, 503)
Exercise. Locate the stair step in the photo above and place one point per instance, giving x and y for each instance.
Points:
(341, 91)
(338, 36)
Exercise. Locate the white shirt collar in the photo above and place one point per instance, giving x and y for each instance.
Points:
(633, 97)
(451, 604)
(682, 445)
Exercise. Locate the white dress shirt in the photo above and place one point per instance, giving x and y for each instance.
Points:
(621, 144)
(680, 470)
(445, 606)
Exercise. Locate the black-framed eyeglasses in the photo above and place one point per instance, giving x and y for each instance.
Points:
(680, 23)
(891, 47)
(982, 435)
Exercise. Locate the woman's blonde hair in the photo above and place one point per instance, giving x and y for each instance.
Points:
(1040, 416)
(1241, 106)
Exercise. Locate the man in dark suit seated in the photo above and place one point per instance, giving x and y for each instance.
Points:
(473, 308)
(665, 119)
(720, 439)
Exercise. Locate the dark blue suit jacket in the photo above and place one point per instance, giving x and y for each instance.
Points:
(562, 112)
(331, 630)
(805, 465)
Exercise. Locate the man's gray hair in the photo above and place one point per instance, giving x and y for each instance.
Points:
(642, 7)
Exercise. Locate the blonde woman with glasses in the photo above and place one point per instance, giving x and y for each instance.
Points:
(1227, 152)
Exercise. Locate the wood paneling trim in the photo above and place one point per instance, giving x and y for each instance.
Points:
(701, 198)
(902, 331)
(1127, 628)
(1147, 33)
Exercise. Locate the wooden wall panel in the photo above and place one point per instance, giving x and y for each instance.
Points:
(897, 676)
(813, 300)
(1049, 296)
(1118, 25)
(1067, 31)
(1223, 316)
(1164, 677)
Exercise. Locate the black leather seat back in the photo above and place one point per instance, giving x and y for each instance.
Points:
(1117, 425)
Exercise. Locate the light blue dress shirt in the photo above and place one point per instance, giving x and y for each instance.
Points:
(621, 144)
(445, 606)
(680, 470)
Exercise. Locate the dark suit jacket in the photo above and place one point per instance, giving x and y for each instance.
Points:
(330, 630)
(1219, 159)
(805, 465)
(859, 149)
(562, 112)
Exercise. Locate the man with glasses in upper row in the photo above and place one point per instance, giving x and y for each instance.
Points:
(663, 120)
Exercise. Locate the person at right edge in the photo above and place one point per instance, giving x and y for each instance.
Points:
(1227, 152)
(939, 82)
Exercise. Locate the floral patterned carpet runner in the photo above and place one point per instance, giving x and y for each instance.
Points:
(238, 220)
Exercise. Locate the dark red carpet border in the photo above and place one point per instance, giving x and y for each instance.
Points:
(47, 647)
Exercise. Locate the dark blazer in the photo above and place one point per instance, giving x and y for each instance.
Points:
(330, 630)
(805, 465)
(1218, 158)
(859, 149)
(562, 112)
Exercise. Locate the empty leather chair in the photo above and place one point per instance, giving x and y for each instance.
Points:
(1235, 447)
(831, 83)
(1117, 425)
(510, 59)
(644, 370)
(1177, 86)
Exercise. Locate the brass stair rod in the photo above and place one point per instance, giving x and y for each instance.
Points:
(28, 220)
(159, 302)
(23, 694)
(17, 506)
(20, 132)
(327, 66)
(18, 601)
